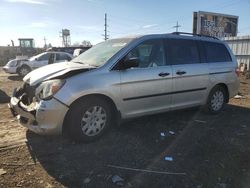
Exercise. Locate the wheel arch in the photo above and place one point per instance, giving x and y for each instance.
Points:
(23, 65)
(225, 87)
(88, 97)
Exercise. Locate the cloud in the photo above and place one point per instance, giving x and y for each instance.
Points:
(93, 1)
(90, 28)
(37, 25)
(35, 2)
(149, 26)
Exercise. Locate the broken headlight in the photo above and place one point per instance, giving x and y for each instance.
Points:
(49, 88)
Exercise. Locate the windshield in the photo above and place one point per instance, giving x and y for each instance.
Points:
(102, 52)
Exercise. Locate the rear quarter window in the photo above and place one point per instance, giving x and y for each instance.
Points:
(63, 57)
(216, 52)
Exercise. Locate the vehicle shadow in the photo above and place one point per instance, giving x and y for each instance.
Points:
(196, 137)
(4, 98)
(15, 78)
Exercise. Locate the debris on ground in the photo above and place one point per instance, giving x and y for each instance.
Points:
(171, 132)
(163, 134)
(168, 158)
(20, 184)
(48, 185)
(199, 186)
(244, 126)
(118, 180)
(2, 171)
(221, 185)
(19, 147)
(86, 180)
(200, 121)
(239, 97)
(146, 170)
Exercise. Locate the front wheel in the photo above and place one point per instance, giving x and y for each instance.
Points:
(23, 71)
(89, 119)
(216, 100)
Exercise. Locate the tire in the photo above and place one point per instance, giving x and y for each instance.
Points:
(88, 119)
(216, 100)
(23, 70)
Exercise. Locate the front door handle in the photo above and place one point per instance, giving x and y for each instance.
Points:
(163, 74)
(180, 72)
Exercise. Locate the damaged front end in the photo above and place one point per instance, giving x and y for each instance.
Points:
(35, 104)
(22, 104)
(41, 115)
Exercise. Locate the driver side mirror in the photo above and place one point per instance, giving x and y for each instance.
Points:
(130, 63)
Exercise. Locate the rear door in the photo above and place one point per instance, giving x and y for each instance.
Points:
(190, 73)
(146, 89)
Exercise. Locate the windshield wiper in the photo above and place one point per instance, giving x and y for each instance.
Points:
(77, 62)
(84, 63)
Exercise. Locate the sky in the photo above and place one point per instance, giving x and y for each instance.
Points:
(41, 19)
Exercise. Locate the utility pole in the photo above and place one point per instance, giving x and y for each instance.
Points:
(105, 28)
(177, 26)
(45, 44)
(60, 35)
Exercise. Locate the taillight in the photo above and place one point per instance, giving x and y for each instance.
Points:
(237, 71)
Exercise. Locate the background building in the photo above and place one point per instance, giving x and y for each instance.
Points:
(241, 49)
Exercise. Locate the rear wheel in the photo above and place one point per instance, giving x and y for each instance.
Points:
(89, 119)
(216, 99)
(23, 70)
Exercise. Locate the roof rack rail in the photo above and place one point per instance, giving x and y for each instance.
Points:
(199, 35)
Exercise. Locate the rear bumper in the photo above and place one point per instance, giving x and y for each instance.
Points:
(234, 88)
(44, 117)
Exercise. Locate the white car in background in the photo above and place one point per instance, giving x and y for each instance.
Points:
(23, 67)
(12, 65)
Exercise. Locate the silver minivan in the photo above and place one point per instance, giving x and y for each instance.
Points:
(126, 78)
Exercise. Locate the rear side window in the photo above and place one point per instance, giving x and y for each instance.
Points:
(182, 51)
(216, 52)
(62, 57)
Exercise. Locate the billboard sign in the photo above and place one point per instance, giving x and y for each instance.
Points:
(215, 24)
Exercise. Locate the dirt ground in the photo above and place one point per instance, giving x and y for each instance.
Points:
(206, 150)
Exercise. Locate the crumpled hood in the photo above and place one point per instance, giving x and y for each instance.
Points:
(53, 70)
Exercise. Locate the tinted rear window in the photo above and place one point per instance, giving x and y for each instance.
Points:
(62, 57)
(182, 51)
(216, 52)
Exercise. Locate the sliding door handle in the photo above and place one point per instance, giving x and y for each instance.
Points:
(180, 72)
(163, 74)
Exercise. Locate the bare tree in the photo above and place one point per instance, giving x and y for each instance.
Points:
(86, 43)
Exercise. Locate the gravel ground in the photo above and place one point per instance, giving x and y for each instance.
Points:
(204, 150)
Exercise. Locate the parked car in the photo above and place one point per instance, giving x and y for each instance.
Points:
(69, 49)
(126, 78)
(23, 67)
(12, 65)
(78, 51)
